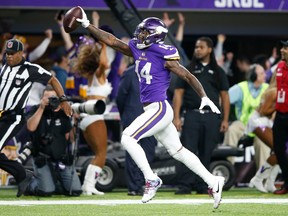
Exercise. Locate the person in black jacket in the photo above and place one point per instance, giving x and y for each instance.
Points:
(201, 128)
(129, 107)
(51, 149)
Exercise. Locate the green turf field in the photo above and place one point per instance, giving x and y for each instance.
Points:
(236, 201)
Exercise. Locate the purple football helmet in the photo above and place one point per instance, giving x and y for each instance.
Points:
(150, 30)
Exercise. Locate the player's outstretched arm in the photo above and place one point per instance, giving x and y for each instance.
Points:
(104, 36)
(110, 40)
(182, 72)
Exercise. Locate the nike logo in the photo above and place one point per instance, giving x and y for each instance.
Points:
(158, 184)
(217, 191)
(263, 169)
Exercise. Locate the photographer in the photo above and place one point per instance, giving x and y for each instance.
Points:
(50, 129)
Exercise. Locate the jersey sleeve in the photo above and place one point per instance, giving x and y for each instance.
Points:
(38, 74)
(170, 53)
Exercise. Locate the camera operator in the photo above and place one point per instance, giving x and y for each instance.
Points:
(52, 164)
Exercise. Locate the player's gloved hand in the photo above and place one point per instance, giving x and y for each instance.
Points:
(84, 21)
(205, 101)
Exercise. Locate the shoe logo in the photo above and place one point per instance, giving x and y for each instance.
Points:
(263, 169)
(217, 191)
(157, 184)
(96, 175)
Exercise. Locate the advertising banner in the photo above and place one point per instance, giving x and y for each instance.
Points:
(176, 5)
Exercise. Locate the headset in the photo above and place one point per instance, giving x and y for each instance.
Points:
(253, 74)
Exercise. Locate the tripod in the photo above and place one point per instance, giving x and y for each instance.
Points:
(74, 151)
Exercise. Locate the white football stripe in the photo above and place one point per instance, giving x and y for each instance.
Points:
(127, 202)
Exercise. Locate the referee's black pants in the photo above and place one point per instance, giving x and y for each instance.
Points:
(280, 139)
(10, 125)
(200, 134)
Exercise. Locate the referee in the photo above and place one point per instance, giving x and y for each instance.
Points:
(16, 78)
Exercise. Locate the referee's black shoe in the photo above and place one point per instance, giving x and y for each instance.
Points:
(22, 186)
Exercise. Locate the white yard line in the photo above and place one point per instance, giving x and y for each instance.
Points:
(122, 202)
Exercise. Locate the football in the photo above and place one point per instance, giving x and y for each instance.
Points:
(69, 22)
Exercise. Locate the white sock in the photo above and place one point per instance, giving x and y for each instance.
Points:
(193, 163)
(138, 155)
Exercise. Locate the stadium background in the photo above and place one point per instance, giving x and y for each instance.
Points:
(252, 26)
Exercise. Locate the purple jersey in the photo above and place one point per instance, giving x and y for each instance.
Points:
(154, 78)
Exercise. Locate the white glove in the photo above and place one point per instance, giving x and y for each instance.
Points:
(84, 21)
(205, 101)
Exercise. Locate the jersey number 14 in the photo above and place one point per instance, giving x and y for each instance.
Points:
(145, 71)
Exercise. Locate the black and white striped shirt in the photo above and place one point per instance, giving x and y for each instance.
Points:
(16, 82)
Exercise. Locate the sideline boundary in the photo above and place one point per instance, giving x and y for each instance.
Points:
(131, 202)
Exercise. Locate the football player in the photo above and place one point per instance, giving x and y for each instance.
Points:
(153, 63)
